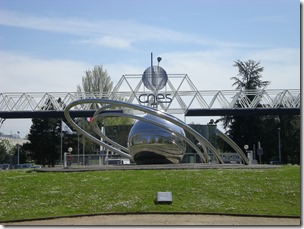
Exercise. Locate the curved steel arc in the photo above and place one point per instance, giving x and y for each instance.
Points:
(144, 109)
(100, 134)
(103, 136)
(233, 145)
(87, 135)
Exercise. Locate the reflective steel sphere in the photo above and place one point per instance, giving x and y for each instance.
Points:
(151, 144)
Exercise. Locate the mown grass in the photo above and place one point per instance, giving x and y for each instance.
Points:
(29, 194)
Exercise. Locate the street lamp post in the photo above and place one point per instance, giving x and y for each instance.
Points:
(67, 158)
(279, 138)
(249, 155)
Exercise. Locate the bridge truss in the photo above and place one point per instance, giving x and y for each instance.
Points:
(180, 96)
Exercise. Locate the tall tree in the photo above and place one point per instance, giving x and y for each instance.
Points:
(246, 130)
(98, 82)
(44, 137)
(250, 73)
(264, 129)
(290, 138)
(6, 151)
(44, 140)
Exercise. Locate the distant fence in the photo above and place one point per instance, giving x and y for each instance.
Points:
(110, 159)
(93, 159)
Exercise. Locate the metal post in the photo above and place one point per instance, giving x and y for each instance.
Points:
(65, 164)
(18, 153)
(279, 137)
(260, 156)
(254, 155)
(260, 159)
(83, 150)
(154, 81)
(18, 147)
(78, 150)
(101, 148)
(61, 141)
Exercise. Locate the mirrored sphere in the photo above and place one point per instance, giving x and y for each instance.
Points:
(151, 144)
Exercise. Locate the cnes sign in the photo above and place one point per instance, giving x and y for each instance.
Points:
(158, 98)
(155, 78)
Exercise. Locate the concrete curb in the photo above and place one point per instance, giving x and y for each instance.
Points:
(155, 167)
(147, 213)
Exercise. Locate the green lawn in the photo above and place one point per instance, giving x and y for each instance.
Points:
(29, 194)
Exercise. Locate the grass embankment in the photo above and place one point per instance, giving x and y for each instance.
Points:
(28, 194)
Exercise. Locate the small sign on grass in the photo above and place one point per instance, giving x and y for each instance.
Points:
(164, 198)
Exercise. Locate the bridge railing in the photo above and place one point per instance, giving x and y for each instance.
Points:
(181, 101)
(229, 99)
(39, 101)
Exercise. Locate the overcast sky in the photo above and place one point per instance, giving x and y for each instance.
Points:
(48, 45)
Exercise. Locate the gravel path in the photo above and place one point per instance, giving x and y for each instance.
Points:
(164, 219)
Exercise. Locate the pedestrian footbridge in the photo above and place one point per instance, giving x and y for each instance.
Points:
(179, 96)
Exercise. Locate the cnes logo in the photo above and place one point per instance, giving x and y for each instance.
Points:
(158, 98)
(155, 78)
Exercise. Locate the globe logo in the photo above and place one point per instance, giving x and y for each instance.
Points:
(155, 78)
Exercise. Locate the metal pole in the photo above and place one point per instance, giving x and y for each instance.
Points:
(65, 164)
(18, 153)
(83, 149)
(154, 83)
(78, 150)
(260, 156)
(279, 137)
(18, 147)
(260, 159)
(61, 142)
(253, 154)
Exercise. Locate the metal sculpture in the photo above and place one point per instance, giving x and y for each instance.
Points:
(170, 128)
(157, 137)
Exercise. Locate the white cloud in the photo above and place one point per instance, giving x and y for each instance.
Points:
(21, 73)
(212, 69)
(111, 33)
(63, 25)
(109, 41)
(209, 69)
(276, 55)
(281, 66)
